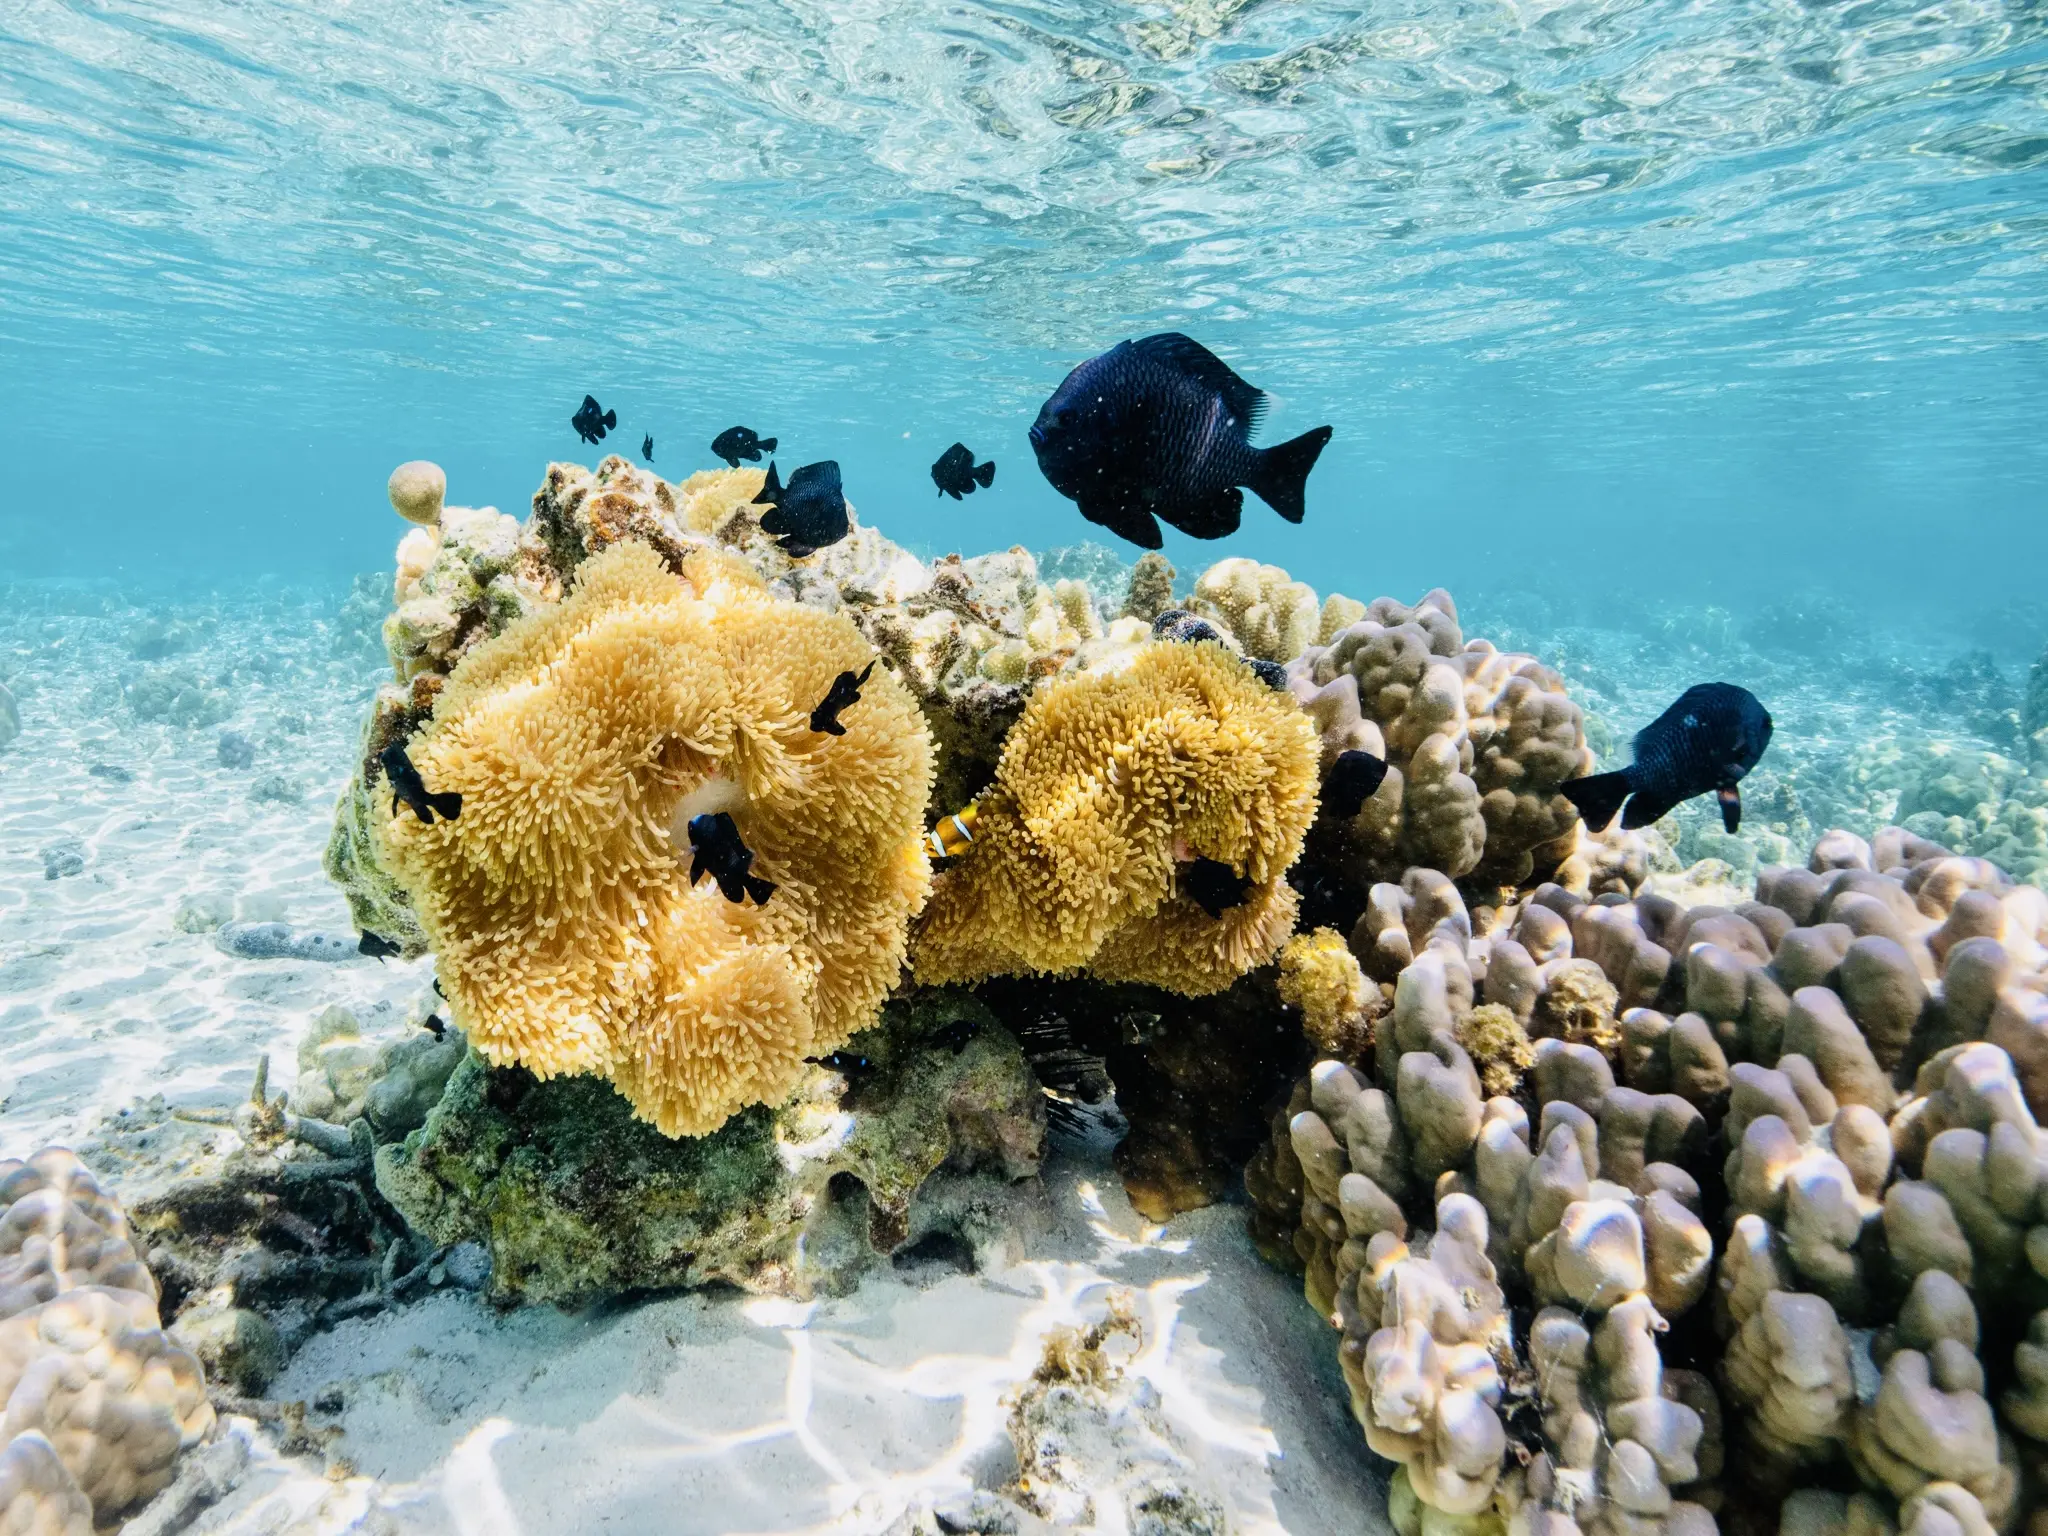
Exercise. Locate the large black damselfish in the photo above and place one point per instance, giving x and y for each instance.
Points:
(1162, 428)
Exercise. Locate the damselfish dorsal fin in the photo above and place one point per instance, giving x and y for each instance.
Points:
(771, 488)
(1247, 404)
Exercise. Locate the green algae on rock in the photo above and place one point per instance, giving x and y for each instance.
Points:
(576, 1199)
(375, 901)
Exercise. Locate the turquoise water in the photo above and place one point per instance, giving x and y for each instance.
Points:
(1711, 301)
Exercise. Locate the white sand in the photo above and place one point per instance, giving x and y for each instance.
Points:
(701, 1413)
(102, 1000)
(713, 1413)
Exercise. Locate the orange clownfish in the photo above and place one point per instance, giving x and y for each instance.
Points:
(953, 836)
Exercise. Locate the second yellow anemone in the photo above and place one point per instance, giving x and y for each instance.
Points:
(1110, 788)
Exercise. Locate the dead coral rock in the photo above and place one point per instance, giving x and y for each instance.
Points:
(1095, 1451)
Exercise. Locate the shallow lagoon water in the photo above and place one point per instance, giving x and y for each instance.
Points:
(1676, 341)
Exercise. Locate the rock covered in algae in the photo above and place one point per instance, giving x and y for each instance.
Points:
(576, 1199)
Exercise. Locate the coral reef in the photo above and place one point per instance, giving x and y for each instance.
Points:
(100, 1401)
(582, 740)
(1269, 614)
(1797, 1136)
(1477, 742)
(576, 1199)
(1112, 787)
(1190, 1076)
(178, 696)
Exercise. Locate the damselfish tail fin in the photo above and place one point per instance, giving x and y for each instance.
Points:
(448, 806)
(1597, 797)
(768, 443)
(611, 419)
(760, 889)
(1281, 478)
(986, 474)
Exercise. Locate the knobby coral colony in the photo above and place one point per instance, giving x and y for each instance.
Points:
(1110, 789)
(100, 1401)
(1639, 1213)
(1630, 1216)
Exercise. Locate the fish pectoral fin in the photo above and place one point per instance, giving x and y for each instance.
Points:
(1241, 399)
(1730, 797)
(1126, 521)
(1215, 518)
(1281, 478)
(1597, 797)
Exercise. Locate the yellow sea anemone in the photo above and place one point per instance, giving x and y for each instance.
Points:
(1110, 786)
(559, 905)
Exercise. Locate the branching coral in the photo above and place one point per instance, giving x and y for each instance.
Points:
(1110, 789)
(582, 741)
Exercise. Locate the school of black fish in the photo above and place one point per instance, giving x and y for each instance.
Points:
(1154, 429)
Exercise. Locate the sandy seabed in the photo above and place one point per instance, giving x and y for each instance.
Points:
(708, 1412)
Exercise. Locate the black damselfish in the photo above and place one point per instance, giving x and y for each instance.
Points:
(844, 693)
(809, 512)
(647, 447)
(1214, 886)
(376, 946)
(736, 443)
(716, 850)
(1162, 428)
(1184, 628)
(432, 1025)
(407, 785)
(592, 420)
(1709, 739)
(956, 474)
(845, 1063)
(1354, 778)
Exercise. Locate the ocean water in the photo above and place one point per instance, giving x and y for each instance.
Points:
(1678, 340)
(1685, 301)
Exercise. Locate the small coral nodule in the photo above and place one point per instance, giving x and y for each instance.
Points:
(582, 740)
(1320, 976)
(1110, 788)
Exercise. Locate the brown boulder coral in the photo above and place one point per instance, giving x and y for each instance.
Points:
(1477, 742)
(99, 1401)
(582, 740)
(1110, 786)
